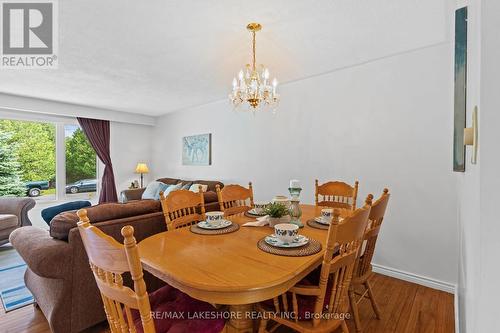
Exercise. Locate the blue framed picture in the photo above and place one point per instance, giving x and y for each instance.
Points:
(460, 89)
(197, 149)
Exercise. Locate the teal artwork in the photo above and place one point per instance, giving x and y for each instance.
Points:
(197, 149)
(460, 89)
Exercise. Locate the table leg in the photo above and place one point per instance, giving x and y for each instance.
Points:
(241, 320)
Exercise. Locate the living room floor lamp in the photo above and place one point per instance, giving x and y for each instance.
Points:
(142, 168)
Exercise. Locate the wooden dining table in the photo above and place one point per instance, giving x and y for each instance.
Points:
(229, 269)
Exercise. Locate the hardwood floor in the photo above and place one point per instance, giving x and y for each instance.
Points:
(406, 307)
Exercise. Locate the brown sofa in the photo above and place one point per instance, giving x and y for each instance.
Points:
(58, 273)
(211, 202)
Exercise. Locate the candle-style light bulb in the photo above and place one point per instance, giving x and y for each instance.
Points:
(266, 74)
(275, 84)
(235, 84)
(240, 75)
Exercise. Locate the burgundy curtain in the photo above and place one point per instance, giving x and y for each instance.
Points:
(97, 132)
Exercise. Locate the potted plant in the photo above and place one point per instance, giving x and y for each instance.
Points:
(278, 213)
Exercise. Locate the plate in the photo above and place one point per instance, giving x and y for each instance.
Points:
(318, 219)
(253, 212)
(213, 226)
(299, 241)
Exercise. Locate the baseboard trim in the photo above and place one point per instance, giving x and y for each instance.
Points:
(414, 278)
(457, 310)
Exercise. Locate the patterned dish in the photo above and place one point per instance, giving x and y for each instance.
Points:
(320, 221)
(253, 212)
(299, 241)
(214, 225)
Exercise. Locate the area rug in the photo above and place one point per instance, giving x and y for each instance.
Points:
(13, 292)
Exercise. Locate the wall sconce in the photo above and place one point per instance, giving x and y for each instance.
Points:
(471, 136)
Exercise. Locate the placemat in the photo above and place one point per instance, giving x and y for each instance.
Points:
(312, 247)
(197, 230)
(313, 224)
(247, 214)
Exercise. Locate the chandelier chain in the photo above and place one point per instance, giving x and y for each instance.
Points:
(253, 48)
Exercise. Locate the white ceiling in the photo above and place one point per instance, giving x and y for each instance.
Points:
(157, 56)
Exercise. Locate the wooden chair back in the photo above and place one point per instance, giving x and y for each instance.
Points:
(342, 247)
(375, 219)
(183, 208)
(108, 261)
(336, 194)
(235, 199)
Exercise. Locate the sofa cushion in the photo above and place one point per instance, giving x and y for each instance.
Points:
(210, 183)
(196, 188)
(8, 221)
(64, 222)
(169, 181)
(210, 197)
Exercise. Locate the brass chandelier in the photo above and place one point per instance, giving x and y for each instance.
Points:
(252, 89)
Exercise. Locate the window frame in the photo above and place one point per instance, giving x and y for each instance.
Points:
(60, 144)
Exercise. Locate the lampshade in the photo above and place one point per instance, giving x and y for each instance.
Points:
(141, 168)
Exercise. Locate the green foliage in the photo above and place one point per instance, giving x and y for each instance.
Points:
(34, 145)
(80, 158)
(10, 182)
(277, 210)
(31, 147)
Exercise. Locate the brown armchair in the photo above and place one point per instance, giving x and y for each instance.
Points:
(13, 214)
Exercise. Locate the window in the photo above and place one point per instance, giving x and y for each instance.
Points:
(81, 175)
(46, 160)
(28, 159)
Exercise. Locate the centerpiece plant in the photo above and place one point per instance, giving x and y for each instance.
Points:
(278, 213)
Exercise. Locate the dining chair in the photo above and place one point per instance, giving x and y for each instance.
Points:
(336, 194)
(130, 309)
(322, 305)
(363, 270)
(183, 208)
(235, 199)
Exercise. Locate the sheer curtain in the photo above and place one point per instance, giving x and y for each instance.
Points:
(97, 132)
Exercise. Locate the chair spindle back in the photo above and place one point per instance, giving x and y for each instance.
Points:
(108, 261)
(235, 199)
(183, 208)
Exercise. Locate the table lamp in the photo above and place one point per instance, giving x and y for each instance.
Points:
(142, 168)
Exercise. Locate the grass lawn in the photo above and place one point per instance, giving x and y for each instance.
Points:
(49, 191)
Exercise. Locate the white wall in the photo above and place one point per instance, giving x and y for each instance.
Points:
(129, 144)
(44, 109)
(468, 188)
(487, 288)
(387, 123)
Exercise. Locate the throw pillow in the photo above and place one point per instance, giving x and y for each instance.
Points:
(171, 188)
(163, 188)
(195, 188)
(152, 191)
